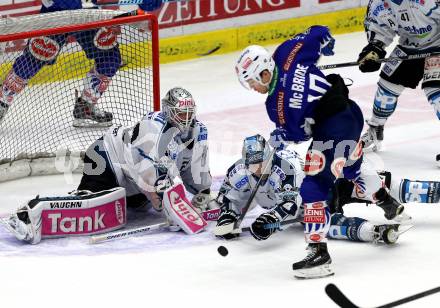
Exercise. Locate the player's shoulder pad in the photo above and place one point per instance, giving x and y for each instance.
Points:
(238, 175)
(287, 160)
(201, 131)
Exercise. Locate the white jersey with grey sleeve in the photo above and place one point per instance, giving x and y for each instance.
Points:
(415, 22)
(285, 174)
(136, 154)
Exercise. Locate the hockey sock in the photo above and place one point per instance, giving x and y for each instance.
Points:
(433, 95)
(350, 228)
(385, 103)
(419, 191)
(94, 86)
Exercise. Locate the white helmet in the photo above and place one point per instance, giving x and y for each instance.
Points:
(253, 60)
(179, 108)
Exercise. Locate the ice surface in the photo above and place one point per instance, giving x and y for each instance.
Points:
(175, 270)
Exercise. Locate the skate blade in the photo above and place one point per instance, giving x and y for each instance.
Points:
(314, 272)
(90, 123)
(403, 218)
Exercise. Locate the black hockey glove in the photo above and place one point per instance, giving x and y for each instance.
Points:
(227, 217)
(261, 229)
(369, 56)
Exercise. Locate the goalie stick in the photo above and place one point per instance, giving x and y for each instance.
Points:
(115, 235)
(342, 301)
(410, 57)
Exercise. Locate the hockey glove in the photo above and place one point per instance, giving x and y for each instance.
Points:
(277, 138)
(227, 217)
(150, 5)
(201, 200)
(261, 228)
(369, 56)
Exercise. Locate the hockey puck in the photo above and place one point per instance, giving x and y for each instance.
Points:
(222, 251)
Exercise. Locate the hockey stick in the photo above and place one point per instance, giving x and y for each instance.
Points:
(410, 57)
(342, 301)
(275, 225)
(115, 235)
(229, 228)
(263, 176)
(95, 239)
(209, 215)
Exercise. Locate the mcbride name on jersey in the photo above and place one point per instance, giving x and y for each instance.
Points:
(137, 152)
(415, 21)
(297, 84)
(286, 175)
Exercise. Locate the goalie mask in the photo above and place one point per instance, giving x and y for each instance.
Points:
(252, 62)
(255, 150)
(179, 108)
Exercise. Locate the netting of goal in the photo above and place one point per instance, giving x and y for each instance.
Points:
(37, 136)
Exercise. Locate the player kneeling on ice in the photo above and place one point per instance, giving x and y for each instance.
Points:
(131, 166)
(279, 193)
(305, 104)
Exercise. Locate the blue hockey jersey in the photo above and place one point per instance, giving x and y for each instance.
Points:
(297, 84)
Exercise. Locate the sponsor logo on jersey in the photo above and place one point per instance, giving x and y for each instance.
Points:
(277, 170)
(105, 38)
(337, 166)
(315, 237)
(315, 162)
(236, 169)
(358, 151)
(66, 205)
(292, 56)
(421, 32)
(379, 9)
(280, 108)
(44, 48)
(241, 182)
(312, 215)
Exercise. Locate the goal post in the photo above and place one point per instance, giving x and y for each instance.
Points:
(36, 135)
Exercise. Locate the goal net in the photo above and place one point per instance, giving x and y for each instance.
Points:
(38, 125)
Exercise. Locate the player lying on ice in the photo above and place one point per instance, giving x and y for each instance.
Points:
(99, 45)
(279, 193)
(129, 166)
(305, 104)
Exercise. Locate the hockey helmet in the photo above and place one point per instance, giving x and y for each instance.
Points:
(255, 150)
(251, 63)
(179, 108)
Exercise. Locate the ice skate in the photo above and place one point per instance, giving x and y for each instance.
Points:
(23, 226)
(389, 234)
(372, 139)
(437, 158)
(389, 205)
(3, 110)
(86, 114)
(316, 264)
